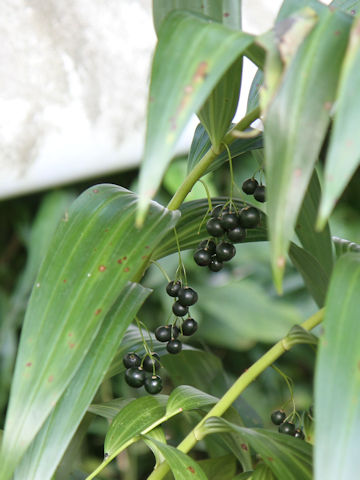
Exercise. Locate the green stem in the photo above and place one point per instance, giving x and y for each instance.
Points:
(199, 170)
(236, 389)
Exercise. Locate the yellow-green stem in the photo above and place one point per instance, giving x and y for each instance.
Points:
(236, 389)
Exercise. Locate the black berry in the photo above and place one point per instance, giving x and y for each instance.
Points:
(288, 428)
(175, 332)
(135, 377)
(208, 245)
(259, 193)
(249, 217)
(173, 288)
(216, 211)
(229, 221)
(299, 434)
(187, 296)
(131, 360)
(214, 227)
(153, 384)
(215, 265)
(174, 346)
(237, 234)
(189, 327)
(249, 186)
(163, 333)
(202, 258)
(278, 417)
(225, 251)
(152, 362)
(179, 310)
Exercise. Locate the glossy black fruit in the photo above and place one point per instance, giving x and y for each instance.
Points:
(175, 332)
(189, 327)
(202, 258)
(163, 333)
(288, 428)
(173, 288)
(214, 227)
(152, 362)
(187, 296)
(299, 434)
(249, 217)
(153, 384)
(237, 234)
(249, 186)
(174, 346)
(259, 194)
(225, 251)
(229, 221)
(135, 377)
(208, 245)
(215, 264)
(179, 310)
(216, 211)
(131, 360)
(278, 416)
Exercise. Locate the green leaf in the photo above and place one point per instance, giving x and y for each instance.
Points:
(299, 335)
(254, 93)
(343, 155)
(287, 457)
(342, 246)
(313, 274)
(189, 233)
(182, 466)
(110, 409)
(41, 459)
(94, 253)
(181, 80)
(220, 468)
(262, 472)
(243, 476)
(292, 145)
(159, 435)
(201, 144)
(185, 398)
(337, 376)
(349, 6)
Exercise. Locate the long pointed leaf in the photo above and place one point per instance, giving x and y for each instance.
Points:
(292, 142)
(95, 252)
(337, 376)
(182, 79)
(41, 459)
(343, 155)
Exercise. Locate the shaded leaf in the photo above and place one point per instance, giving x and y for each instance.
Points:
(343, 155)
(292, 144)
(220, 468)
(110, 409)
(342, 246)
(159, 435)
(287, 457)
(262, 472)
(94, 253)
(181, 80)
(254, 95)
(337, 376)
(186, 397)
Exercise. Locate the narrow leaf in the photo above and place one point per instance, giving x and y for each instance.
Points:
(182, 466)
(181, 80)
(254, 93)
(292, 144)
(343, 155)
(337, 376)
(41, 459)
(95, 252)
(185, 398)
(287, 457)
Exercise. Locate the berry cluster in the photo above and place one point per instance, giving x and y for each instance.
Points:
(252, 187)
(135, 375)
(229, 224)
(279, 418)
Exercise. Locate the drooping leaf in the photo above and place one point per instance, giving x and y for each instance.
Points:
(287, 457)
(337, 376)
(41, 459)
(189, 233)
(292, 144)
(220, 468)
(349, 6)
(94, 253)
(343, 156)
(186, 397)
(181, 80)
(182, 466)
(201, 144)
(159, 435)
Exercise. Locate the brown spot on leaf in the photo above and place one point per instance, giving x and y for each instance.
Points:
(64, 280)
(297, 172)
(337, 33)
(144, 257)
(51, 378)
(327, 105)
(124, 258)
(226, 14)
(147, 246)
(119, 261)
(71, 345)
(28, 364)
(70, 334)
(201, 72)
(244, 446)
(98, 311)
(102, 268)
(191, 469)
(151, 99)
(280, 262)
(188, 89)
(126, 269)
(270, 459)
(96, 190)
